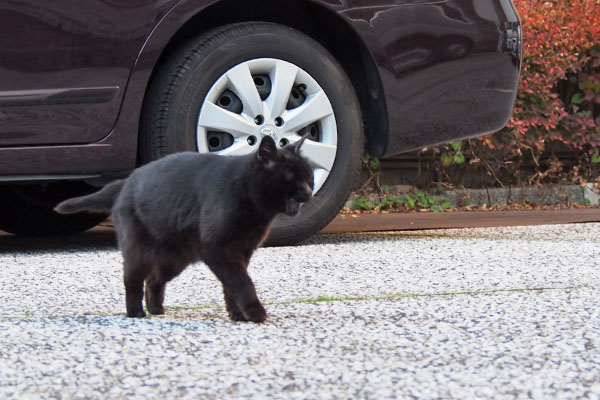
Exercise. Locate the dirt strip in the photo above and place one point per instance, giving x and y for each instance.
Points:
(457, 219)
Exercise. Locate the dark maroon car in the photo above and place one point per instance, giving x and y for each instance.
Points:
(90, 89)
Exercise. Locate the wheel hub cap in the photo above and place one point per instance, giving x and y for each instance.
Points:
(269, 97)
(269, 131)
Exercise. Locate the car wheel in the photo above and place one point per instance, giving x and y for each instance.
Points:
(29, 209)
(228, 88)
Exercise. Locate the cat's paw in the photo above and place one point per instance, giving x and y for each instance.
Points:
(236, 316)
(136, 314)
(255, 313)
(156, 310)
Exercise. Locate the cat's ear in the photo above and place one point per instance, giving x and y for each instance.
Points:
(267, 151)
(298, 144)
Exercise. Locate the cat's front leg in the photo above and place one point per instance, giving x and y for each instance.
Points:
(235, 314)
(244, 300)
(240, 294)
(255, 312)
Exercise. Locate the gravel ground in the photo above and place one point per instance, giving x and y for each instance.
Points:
(474, 313)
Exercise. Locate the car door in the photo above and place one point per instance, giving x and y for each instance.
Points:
(64, 66)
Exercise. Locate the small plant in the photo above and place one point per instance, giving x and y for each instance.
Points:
(420, 200)
(467, 202)
(362, 203)
(425, 201)
(456, 156)
(372, 166)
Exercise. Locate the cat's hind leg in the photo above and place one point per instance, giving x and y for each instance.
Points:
(131, 237)
(156, 282)
(134, 273)
(155, 293)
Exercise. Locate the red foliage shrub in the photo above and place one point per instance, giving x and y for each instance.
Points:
(554, 133)
(559, 98)
(558, 107)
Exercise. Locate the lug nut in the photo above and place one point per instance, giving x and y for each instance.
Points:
(259, 120)
(278, 121)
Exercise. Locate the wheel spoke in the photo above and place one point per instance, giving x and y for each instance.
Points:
(283, 81)
(217, 118)
(272, 111)
(319, 155)
(238, 148)
(243, 85)
(315, 108)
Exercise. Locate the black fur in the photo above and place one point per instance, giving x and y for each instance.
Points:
(188, 207)
(100, 202)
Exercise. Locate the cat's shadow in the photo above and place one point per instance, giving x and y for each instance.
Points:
(104, 238)
(99, 238)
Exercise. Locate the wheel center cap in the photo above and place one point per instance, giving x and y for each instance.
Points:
(269, 131)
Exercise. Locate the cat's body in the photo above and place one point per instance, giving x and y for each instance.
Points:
(190, 207)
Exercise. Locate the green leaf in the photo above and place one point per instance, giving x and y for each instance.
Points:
(577, 98)
(459, 158)
(447, 159)
(457, 145)
(446, 205)
(385, 188)
(375, 163)
(362, 203)
(390, 201)
(596, 158)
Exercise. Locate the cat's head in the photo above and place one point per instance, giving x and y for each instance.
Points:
(285, 177)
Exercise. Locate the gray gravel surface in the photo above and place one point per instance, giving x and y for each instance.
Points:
(475, 313)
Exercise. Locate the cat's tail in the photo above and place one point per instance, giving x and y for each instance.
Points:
(98, 202)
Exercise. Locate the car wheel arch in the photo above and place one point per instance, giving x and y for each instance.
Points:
(191, 14)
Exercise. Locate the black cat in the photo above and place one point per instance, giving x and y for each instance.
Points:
(188, 207)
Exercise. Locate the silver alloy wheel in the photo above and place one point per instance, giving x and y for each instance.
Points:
(243, 106)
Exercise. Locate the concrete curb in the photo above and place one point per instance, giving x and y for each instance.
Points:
(539, 195)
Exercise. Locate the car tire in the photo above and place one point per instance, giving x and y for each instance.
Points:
(29, 209)
(199, 76)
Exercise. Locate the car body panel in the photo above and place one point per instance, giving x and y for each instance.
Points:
(446, 68)
(65, 64)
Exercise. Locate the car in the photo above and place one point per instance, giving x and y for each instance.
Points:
(89, 90)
